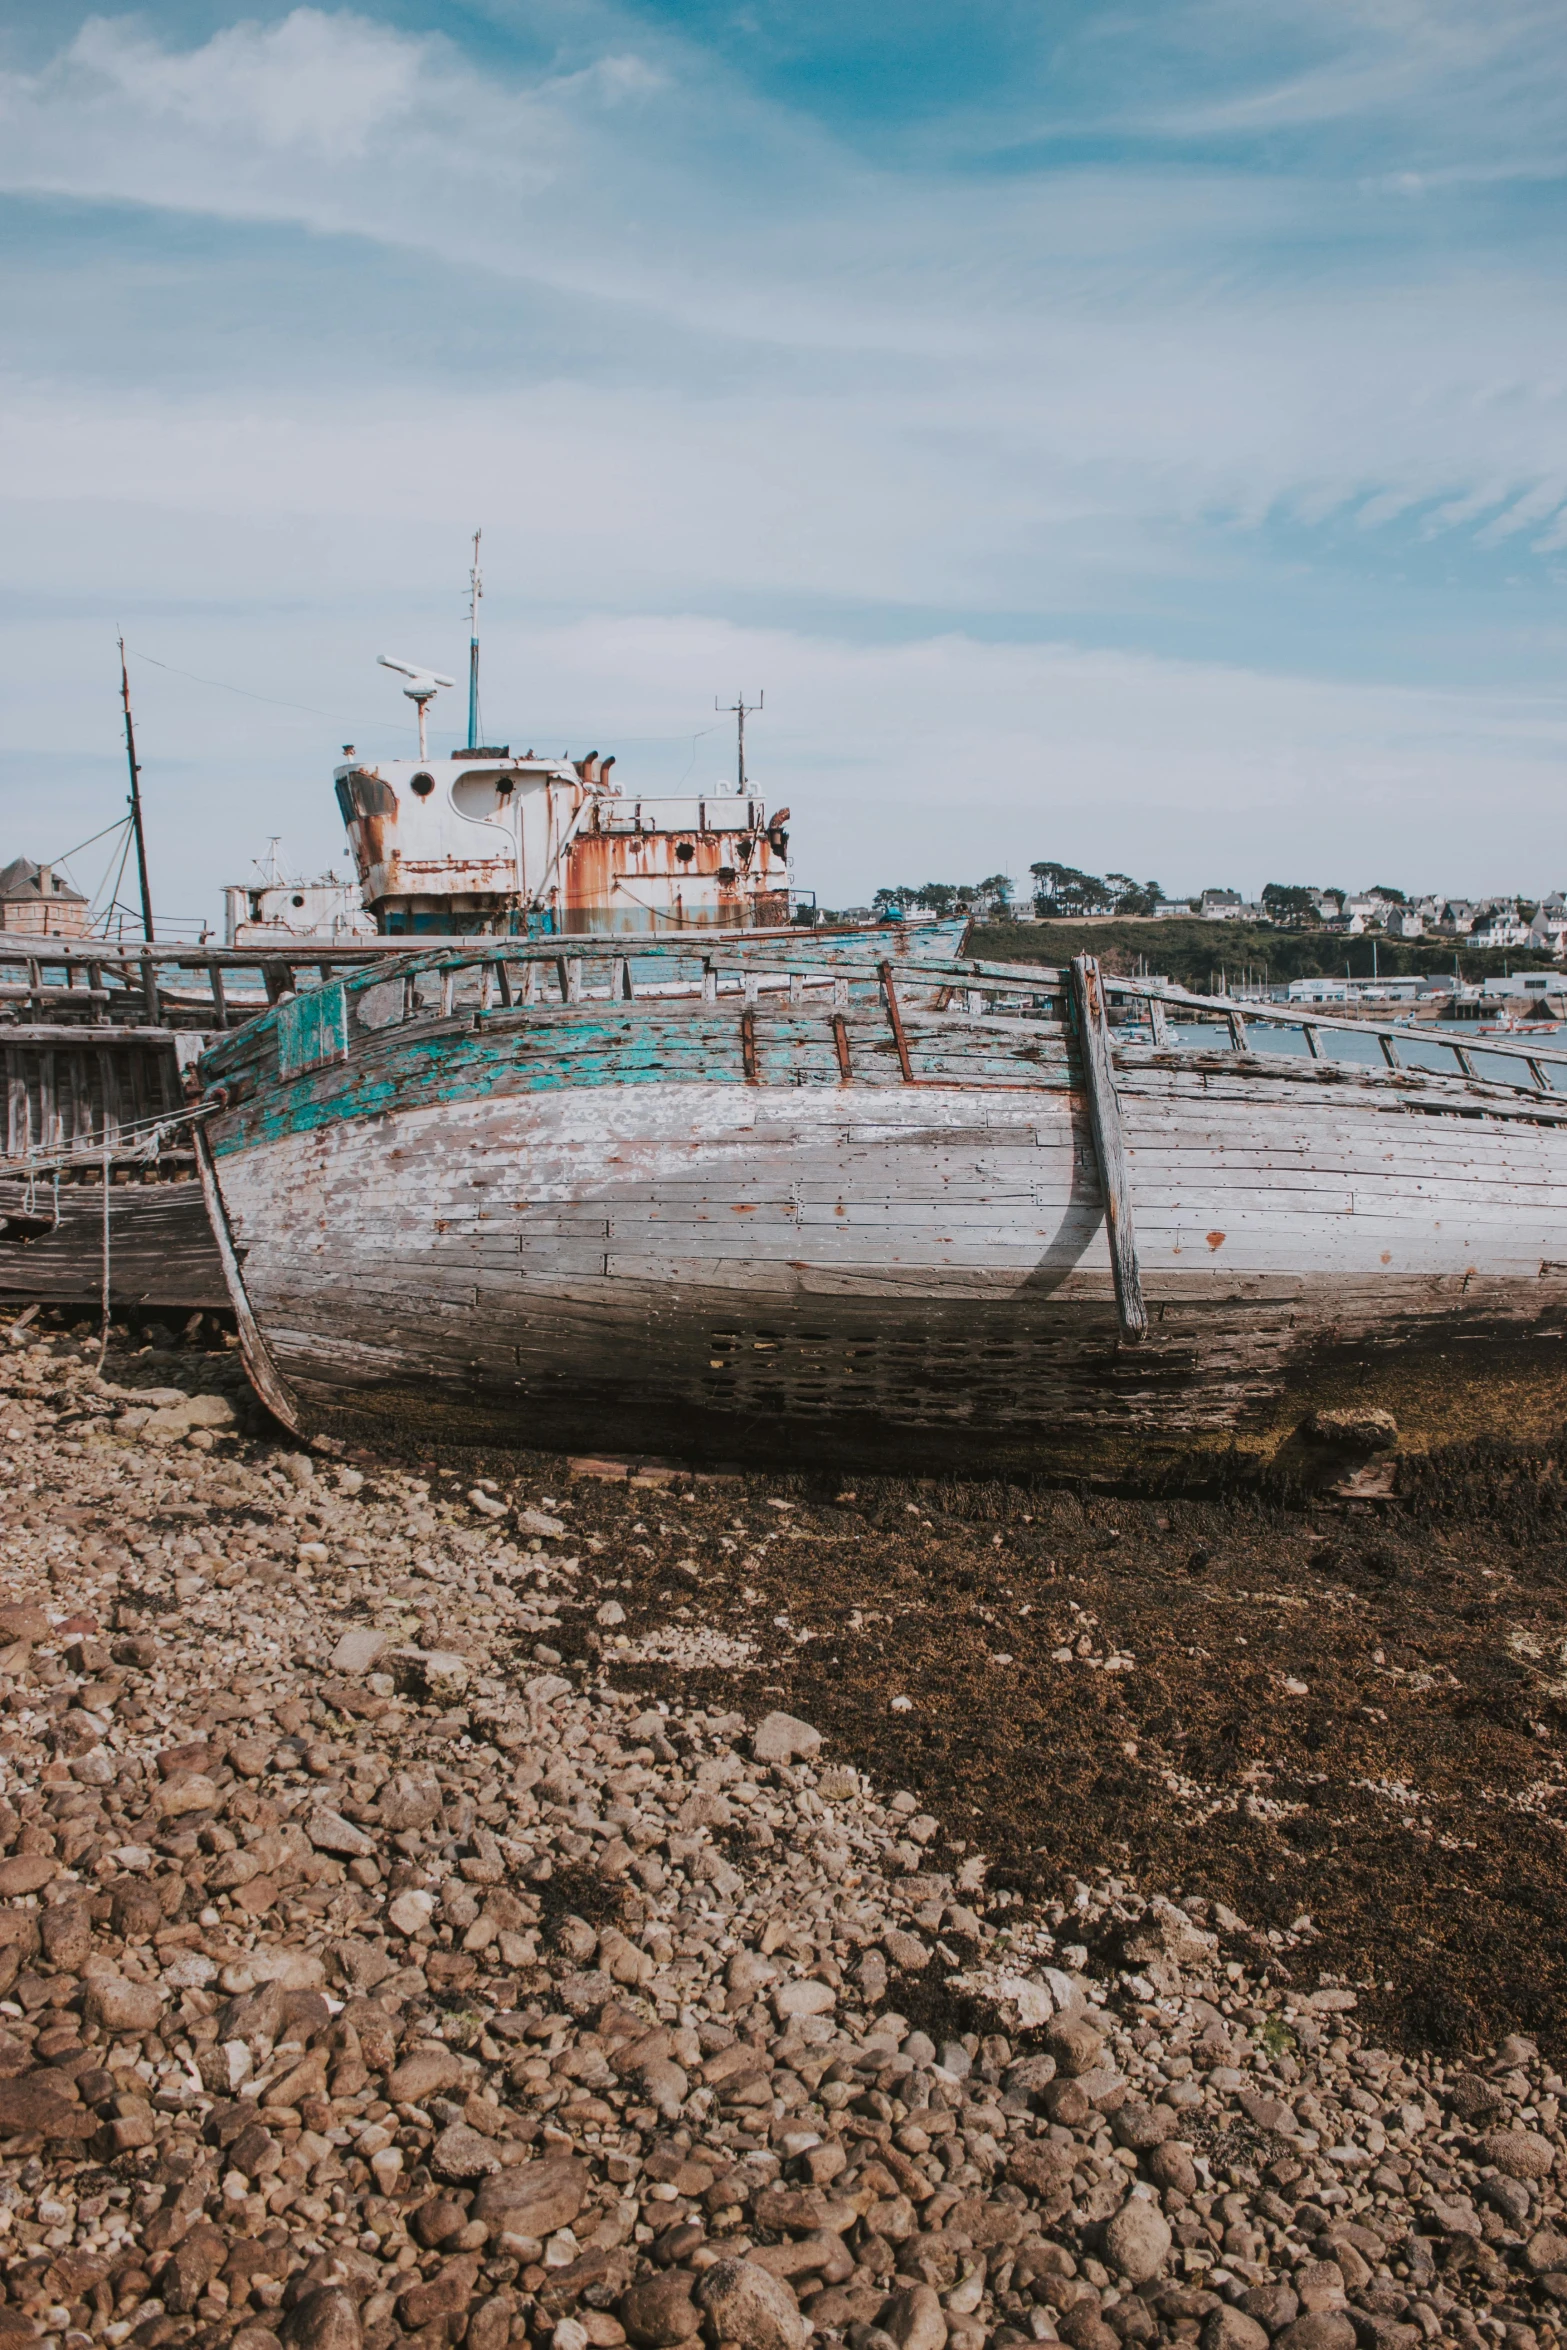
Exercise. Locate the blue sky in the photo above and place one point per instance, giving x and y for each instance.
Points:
(1132, 435)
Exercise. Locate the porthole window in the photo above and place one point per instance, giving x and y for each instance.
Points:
(422, 785)
(726, 875)
(684, 851)
(296, 899)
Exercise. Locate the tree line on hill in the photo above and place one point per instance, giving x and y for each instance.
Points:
(1062, 890)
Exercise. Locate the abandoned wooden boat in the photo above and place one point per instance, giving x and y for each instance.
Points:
(97, 1043)
(861, 1199)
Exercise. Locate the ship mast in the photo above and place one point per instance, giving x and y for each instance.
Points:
(475, 591)
(136, 824)
(740, 710)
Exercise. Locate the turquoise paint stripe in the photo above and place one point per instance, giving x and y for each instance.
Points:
(595, 1049)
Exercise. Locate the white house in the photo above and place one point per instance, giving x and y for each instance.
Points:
(1499, 925)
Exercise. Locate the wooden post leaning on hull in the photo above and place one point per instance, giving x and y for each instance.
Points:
(1104, 1109)
(260, 1369)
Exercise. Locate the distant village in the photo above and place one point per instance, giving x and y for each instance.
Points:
(1062, 893)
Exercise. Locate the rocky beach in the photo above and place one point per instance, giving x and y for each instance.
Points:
(517, 1901)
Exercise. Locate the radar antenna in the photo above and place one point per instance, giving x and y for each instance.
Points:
(421, 689)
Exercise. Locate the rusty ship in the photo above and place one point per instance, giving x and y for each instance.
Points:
(98, 1038)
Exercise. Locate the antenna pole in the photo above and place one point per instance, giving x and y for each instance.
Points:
(136, 823)
(739, 710)
(475, 591)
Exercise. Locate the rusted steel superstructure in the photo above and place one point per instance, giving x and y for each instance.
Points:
(488, 842)
(859, 1197)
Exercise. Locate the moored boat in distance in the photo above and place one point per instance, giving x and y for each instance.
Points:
(860, 1198)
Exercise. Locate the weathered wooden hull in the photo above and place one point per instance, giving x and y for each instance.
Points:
(910, 1274)
(161, 1252)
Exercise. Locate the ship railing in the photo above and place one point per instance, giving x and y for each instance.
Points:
(490, 977)
(49, 983)
(1024, 994)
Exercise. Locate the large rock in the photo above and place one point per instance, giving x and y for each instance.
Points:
(1546, 2251)
(324, 2320)
(806, 1997)
(120, 2006)
(665, 2085)
(424, 2074)
(534, 2199)
(462, 2153)
(659, 2311)
(489, 2327)
(1269, 2113)
(915, 2319)
(1232, 2329)
(67, 1934)
(1142, 2127)
(27, 1872)
(360, 1650)
(782, 1738)
(745, 2305)
(445, 2294)
(330, 1832)
(1520, 2154)
(191, 1791)
(291, 1970)
(1074, 2044)
(196, 2260)
(408, 1800)
(33, 2102)
(1171, 2165)
(1039, 2166)
(1321, 2329)
(1137, 2240)
(1320, 2284)
(1273, 2306)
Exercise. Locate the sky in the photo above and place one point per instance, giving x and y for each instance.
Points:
(1130, 435)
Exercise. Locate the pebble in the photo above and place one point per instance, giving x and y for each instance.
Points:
(365, 1980)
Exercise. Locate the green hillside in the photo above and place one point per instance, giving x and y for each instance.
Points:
(1203, 955)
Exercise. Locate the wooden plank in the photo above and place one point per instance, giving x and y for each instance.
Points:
(109, 1085)
(48, 1102)
(259, 1366)
(895, 1018)
(1109, 1144)
(748, 1044)
(840, 1038)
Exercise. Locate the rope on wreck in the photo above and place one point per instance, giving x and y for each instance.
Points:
(103, 1331)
